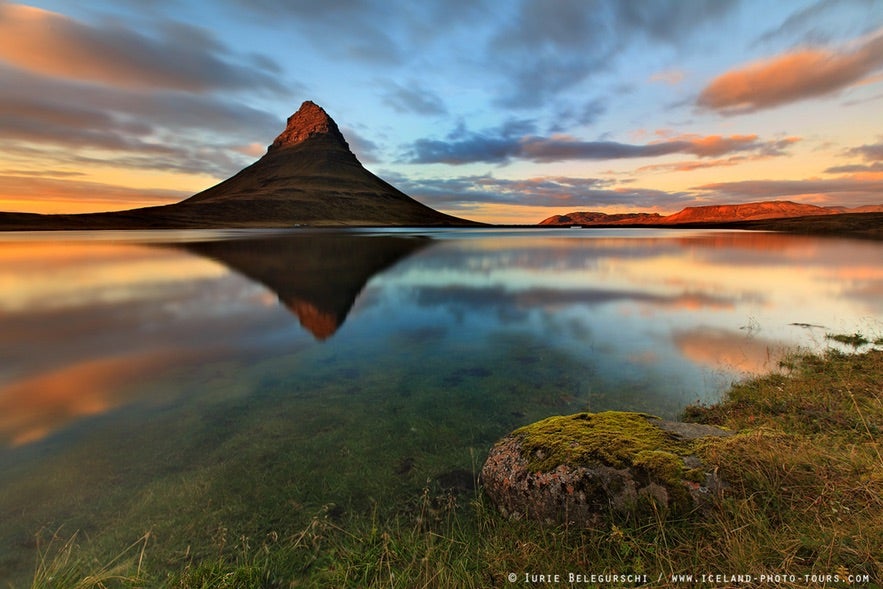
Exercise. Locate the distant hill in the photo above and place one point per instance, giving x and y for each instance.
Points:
(308, 176)
(715, 214)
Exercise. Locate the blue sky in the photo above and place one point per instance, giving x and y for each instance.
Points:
(495, 111)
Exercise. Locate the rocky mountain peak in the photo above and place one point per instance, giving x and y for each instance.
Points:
(309, 121)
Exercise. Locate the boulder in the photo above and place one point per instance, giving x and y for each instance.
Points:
(590, 467)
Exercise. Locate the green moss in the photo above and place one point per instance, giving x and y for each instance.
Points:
(695, 475)
(660, 465)
(613, 438)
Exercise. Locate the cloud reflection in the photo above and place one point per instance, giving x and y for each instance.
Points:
(32, 408)
(717, 348)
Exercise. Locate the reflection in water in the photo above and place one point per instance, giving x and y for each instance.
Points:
(715, 347)
(154, 380)
(316, 275)
(32, 408)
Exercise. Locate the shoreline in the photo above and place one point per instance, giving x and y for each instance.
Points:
(846, 225)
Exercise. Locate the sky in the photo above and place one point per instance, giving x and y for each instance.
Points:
(497, 111)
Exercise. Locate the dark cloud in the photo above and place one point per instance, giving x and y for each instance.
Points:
(348, 29)
(512, 303)
(872, 152)
(793, 76)
(502, 145)
(413, 99)
(167, 130)
(171, 56)
(365, 150)
(851, 191)
(855, 168)
(543, 49)
(669, 21)
(477, 148)
(821, 21)
(584, 114)
(468, 192)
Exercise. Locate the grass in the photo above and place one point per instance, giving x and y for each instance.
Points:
(62, 564)
(805, 501)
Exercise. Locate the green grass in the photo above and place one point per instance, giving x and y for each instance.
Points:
(62, 564)
(805, 497)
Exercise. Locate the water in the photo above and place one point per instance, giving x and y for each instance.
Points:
(213, 385)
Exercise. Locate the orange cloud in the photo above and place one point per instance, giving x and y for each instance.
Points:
(179, 56)
(791, 77)
(693, 165)
(718, 145)
(670, 77)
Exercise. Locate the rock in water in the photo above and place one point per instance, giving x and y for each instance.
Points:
(587, 467)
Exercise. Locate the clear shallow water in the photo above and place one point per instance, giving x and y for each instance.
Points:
(208, 384)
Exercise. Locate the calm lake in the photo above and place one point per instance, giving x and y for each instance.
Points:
(214, 386)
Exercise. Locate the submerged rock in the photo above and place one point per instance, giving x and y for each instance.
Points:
(586, 467)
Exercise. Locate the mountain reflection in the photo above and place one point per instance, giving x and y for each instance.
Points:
(316, 275)
(93, 325)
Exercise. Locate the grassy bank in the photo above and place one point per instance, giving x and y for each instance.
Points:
(805, 502)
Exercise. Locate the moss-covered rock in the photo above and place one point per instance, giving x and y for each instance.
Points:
(587, 467)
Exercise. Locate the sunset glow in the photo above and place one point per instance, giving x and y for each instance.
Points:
(505, 116)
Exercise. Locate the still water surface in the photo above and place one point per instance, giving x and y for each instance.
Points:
(230, 383)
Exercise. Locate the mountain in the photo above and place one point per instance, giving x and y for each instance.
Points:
(308, 176)
(593, 218)
(777, 209)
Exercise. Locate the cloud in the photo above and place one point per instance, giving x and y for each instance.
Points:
(691, 166)
(794, 76)
(364, 149)
(821, 21)
(61, 121)
(583, 114)
(174, 56)
(345, 29)
(543, 51)
(468, 192)
(672, 77)
(414, 100)
(846, 190)
(502, 145)
(855, 168)
(872, 152)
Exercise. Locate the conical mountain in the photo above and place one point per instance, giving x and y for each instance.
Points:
(309, 176)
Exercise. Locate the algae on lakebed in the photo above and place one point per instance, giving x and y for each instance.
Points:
(614, 438)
